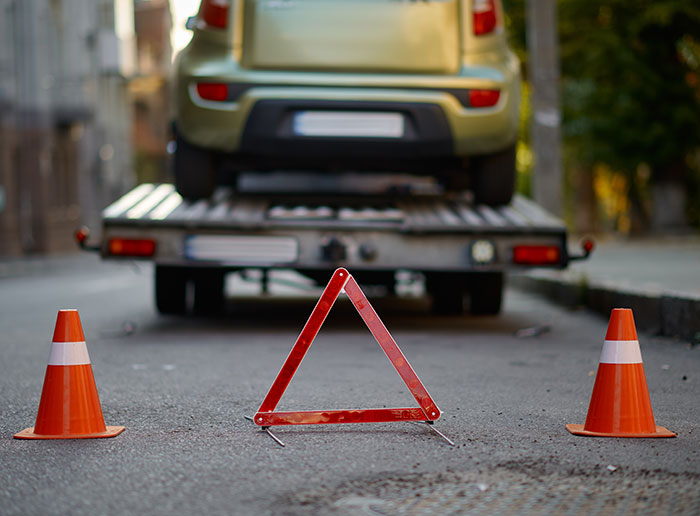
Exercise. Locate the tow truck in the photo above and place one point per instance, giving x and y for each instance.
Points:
(313, 135)
(376, 227)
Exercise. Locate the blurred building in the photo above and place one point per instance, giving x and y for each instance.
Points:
(67, 112)
(149, 90)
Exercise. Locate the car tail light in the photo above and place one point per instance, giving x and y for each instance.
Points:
(483, 98)
(484, 16)
(536, 254)
(214, 13)
(142, 247)
(217, 91)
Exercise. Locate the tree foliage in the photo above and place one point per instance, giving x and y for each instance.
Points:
(630, 72)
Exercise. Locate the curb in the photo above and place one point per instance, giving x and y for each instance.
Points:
(670, 314)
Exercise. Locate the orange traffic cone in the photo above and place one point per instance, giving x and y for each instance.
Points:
(69, 406)
(620, 404)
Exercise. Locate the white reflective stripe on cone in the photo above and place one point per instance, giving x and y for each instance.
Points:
(621, 352)
(69, 353)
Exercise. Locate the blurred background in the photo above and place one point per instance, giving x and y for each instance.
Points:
(84, 88)
(84, 116)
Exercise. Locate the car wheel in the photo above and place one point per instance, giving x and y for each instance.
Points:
(486, 293)
(170, 289)
(194, 171)
(493, 177)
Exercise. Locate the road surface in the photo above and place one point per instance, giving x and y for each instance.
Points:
(182, 387)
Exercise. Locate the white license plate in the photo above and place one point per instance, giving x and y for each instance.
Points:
(349, 124)
(242, 249)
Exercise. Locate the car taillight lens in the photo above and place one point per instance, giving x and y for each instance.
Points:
(217, 91)
(483, 98)
(214, 13)
(536, 254)
(132, 247)
(484, 16)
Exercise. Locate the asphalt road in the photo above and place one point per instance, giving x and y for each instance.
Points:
(182, 387)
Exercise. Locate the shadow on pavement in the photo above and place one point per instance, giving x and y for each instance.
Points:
(290, 314)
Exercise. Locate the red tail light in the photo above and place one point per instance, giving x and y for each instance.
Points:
(132, 247)
(214, 13)
(484, 16)
(212, 91)
(483, 98)
(536, 255)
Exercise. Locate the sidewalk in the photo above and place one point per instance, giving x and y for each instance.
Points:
(659, 278)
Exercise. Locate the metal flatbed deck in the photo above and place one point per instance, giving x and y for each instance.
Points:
(317, 230)
(160, 206)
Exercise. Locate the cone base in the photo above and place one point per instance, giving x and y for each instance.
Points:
(28, 433)
(660, 432)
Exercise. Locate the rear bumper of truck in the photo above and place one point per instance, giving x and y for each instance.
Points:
(322, 232)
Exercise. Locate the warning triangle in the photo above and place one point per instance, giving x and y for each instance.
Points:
(342, 279)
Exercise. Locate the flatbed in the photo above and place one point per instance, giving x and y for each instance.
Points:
(460, 248)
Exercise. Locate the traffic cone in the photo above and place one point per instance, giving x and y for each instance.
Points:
(69, 406)
(620, 404)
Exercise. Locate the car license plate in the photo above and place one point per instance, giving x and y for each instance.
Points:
(349, 124)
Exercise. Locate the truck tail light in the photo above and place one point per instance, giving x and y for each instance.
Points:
(141, 247)
(214, 13)
(217, 91)
(484, 16)
(483, 98)
(536, 255)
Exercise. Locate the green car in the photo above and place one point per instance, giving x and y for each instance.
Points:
(420, 87)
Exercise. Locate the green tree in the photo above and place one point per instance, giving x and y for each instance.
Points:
(631, 94)
(630, 74)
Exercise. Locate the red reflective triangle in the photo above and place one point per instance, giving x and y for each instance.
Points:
(266, 415)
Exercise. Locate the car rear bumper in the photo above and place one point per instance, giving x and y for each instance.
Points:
(439, 121)
(270, 130)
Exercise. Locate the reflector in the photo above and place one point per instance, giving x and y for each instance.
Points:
(131, 247)
(214, 13)
(536, 254)
(483, 98)
(343, 280)
(217, 91)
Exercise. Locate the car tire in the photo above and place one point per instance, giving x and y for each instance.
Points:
(486, 293)
(493, 177)
(171, 290)
(194, 170)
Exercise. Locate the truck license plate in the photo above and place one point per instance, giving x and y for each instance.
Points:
(242, 249)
